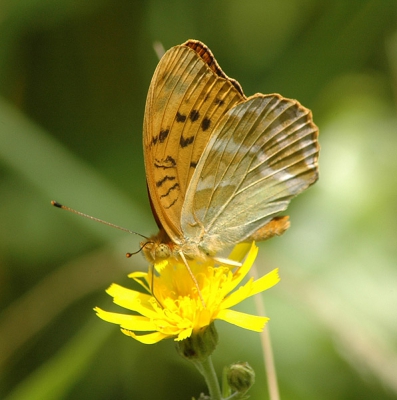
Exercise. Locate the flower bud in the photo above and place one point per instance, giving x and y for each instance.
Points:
(240, 377)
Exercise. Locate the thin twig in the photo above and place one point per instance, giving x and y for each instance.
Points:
(267, 347)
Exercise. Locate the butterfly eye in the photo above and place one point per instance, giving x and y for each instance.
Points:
(162, 251)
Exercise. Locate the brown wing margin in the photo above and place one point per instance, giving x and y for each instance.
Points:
(206, 54)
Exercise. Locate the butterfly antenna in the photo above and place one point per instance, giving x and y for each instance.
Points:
(128, 255)
(56, 204)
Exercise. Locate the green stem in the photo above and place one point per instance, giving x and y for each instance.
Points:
(206, 368)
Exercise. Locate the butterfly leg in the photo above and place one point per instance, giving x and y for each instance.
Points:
(192, 276)
(152, 272)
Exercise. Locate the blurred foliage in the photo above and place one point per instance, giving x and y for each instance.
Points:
(73, 81)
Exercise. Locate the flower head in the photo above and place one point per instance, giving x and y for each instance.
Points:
(174, 308)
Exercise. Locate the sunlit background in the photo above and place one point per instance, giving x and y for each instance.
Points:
(73, 81)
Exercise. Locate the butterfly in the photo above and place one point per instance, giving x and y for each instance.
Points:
(220, 166)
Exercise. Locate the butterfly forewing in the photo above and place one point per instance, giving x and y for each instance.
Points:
(261, 154)
(187, 97)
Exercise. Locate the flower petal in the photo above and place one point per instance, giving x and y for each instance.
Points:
(139, 323)
(184, 334)
(240, 251)
(142, 278)
(265, 282)
(241, 272)
(133, 300)
(150, 338)
(251, 288)
(238, 296)
(243, 320)
(125, 297)
(160, 265)
(107, 316)
(133, 322)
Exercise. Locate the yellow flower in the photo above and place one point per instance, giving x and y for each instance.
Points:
(174, 307)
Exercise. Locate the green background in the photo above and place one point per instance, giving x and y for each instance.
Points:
(73, 81)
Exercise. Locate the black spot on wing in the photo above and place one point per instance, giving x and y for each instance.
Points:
(173, 187)
(169, 162)
(170, 205)
(193, 164)
(163, 135)
(194, 115)
(205, 123)
(219, 102)
(180, 117)
(165, 179)
(184, 142)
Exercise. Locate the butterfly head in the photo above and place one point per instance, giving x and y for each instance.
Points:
(158, 247)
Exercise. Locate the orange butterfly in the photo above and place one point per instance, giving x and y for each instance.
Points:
(219, 165)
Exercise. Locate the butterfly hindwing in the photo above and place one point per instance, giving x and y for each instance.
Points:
(262, 153)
